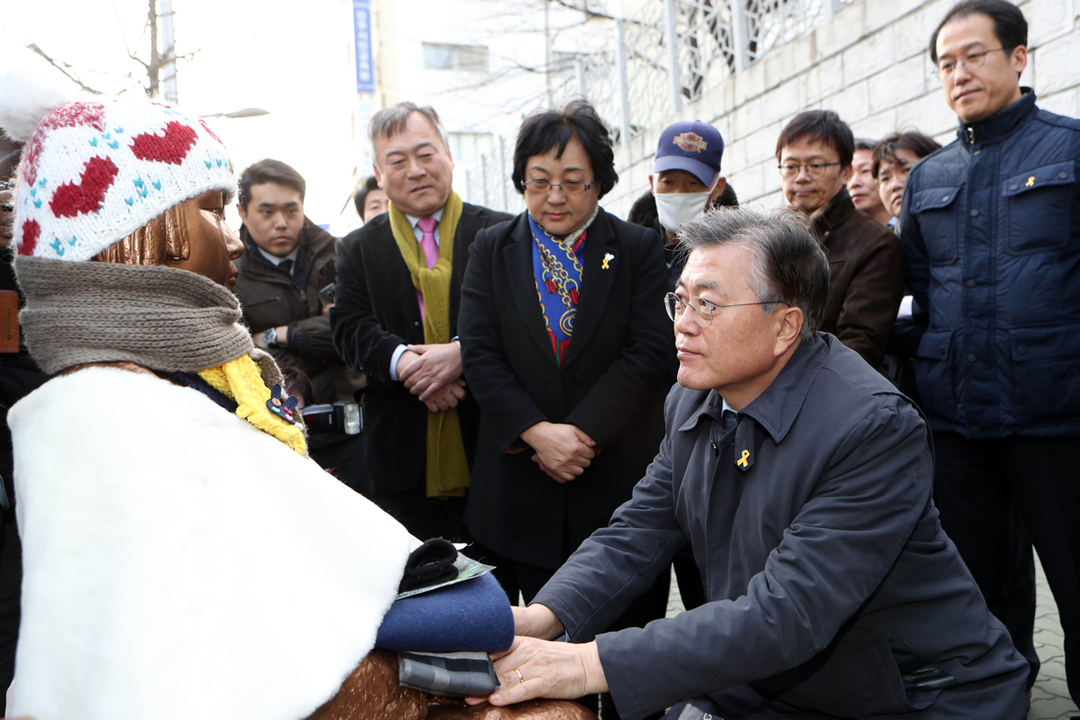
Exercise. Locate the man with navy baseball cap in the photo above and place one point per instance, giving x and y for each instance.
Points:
(686, 173)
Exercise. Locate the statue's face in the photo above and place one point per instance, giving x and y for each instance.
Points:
(213, 246)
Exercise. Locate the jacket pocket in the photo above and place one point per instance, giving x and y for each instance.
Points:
(1039, 207)
(933, 372)
(934, 209)
(1046, 381)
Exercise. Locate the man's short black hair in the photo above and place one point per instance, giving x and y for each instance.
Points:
(819, 126)
(1010, 26)
(789, 265)
(270, 171)
(864, 144)
(728, 198)
(912, 140)
(360, 197)
(552, 129)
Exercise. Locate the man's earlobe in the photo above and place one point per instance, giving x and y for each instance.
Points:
(791, 325)
(721, 185)
(1019, 59)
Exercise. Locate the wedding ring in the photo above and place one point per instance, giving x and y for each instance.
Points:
(521, 679)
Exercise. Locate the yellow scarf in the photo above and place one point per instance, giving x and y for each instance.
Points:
(241, 381)
(447, 467)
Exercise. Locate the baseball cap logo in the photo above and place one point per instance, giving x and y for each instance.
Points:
(690, 142)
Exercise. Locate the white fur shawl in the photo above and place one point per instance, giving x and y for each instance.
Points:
(180, 563)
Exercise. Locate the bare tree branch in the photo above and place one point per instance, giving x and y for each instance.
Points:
(155, 59)
(62, 67)
(585, 9)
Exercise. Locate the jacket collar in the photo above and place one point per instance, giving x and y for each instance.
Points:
(312, 240)
(999, 125)
(837, 211)
(600, 265)
(775, 409)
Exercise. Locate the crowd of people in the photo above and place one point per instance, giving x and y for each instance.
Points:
(844, 423)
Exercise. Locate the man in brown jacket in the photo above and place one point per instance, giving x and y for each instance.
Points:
(866, 259)
(289, 259)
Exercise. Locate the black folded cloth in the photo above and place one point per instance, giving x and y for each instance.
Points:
(430, 564)
(459, 674)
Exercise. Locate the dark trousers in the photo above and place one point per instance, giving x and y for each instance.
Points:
(998, 497)
(425, 517)
(10, 585)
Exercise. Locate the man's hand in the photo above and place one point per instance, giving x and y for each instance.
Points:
(537, 621)
(446, 397)
(562, 451)
(435, 366)
(541, 668)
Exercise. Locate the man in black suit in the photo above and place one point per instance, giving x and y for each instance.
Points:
(395, 317)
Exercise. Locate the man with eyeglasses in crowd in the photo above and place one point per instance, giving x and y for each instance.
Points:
(991, 230)
(802, 480)
(866, 260)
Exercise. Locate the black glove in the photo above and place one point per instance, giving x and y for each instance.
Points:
(430, 564)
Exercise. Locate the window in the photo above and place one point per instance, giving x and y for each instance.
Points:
(468, 58)
(468, 147)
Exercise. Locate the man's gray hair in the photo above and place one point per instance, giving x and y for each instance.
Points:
(789, 265)
(388, 122)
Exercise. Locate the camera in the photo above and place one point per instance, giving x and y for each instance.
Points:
(343, 417)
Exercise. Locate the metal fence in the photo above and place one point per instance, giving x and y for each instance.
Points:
(677, 50)
(487, 181)
(671, 53)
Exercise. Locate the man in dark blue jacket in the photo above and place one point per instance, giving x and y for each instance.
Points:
(802, 480)
(991, 230)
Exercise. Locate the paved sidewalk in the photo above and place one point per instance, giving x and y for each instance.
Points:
(1050, 697)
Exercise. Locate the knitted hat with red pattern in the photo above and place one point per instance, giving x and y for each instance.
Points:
(95, 170)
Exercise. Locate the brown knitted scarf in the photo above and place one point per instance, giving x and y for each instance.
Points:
(158, 317)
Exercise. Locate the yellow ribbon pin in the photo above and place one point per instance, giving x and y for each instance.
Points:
(741, 462)
(607, 257)
(1031, 181)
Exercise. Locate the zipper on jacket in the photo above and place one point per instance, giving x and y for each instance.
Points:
(971, 134)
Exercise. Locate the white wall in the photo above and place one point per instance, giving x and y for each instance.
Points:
(869, 64)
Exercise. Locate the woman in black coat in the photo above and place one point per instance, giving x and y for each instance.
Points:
(565, 346)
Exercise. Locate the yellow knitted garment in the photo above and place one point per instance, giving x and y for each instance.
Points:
(241, 381)
(447, 467)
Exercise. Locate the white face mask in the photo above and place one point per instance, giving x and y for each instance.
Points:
(676, 208)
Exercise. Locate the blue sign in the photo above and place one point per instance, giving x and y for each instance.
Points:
(365, 67)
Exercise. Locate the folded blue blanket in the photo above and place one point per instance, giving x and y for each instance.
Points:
(470, 615)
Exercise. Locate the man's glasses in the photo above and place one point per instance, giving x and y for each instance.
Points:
(815, 170)
(971, 61)
(701, 308)
(570, 187)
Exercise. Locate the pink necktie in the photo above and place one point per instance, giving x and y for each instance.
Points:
(427, 226)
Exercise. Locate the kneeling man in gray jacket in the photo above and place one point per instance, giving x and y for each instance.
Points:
(802, 481)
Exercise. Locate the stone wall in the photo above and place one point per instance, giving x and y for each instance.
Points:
(869, 64)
